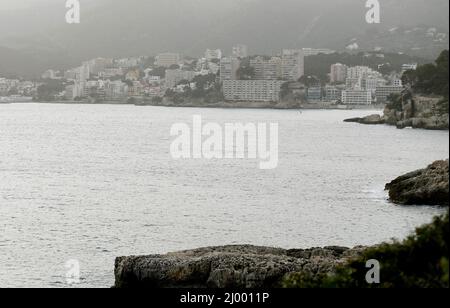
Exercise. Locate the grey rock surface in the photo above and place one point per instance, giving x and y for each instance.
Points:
(429, 186)
(226, 267)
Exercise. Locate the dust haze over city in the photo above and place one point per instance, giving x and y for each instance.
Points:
(213, 143)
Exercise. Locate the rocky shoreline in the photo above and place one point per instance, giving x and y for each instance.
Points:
(248, 266)
(415, 111)
(242, 266)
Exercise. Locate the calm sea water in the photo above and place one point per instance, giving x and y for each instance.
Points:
(92, 182)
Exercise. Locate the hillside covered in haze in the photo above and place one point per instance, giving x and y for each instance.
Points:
(36, 37)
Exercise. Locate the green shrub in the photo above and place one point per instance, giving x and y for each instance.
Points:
(421, 261)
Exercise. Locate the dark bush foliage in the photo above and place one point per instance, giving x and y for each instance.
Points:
(421, 261)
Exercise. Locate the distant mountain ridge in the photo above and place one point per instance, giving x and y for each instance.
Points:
(136, 27)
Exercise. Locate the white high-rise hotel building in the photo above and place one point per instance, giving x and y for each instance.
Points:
(356, 97)
(229, 68)
(338, 73)
(213, 54)
(252, 90)
(266, 69)
(167, 59)
(292, 64)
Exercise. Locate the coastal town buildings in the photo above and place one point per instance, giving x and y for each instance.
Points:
(173, 77)
(409, 67)
(126, 63)
(229, 68)
(267, 69)
(167, 59)
(219, 78)
(213, 54)
(338, 73)
(252, 90)
(356, 97)
(383, 92)
(360, 72)
(17, 88)
(314, 94)
(333, 93)
(292, 64)
(317, 51)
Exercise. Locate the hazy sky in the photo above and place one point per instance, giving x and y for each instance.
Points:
(15, 4)
(38, 38)
(20, 4)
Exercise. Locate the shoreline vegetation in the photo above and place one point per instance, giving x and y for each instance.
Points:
(420, 261)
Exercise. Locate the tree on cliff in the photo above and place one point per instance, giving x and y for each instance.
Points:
(430, 78)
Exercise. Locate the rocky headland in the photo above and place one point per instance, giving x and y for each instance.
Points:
(415, 111)
(424, 103)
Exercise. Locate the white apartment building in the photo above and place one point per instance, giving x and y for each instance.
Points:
(359, 71)
(314, 94)
(363, 78)
(353, 83)
(356, 97)
(155, 80)
(213, 54)
(292, 64)
(333, 94)
(111, 72)
(76, 90)
(229, 68)
(409, 67)
(116, 89)
(127, 62)
(383, 92)
(369, 84)
(266, 69)
(173, 77)
(317, 51)
(252, 90)
(83, 72)
(338, 73)
(167, 59)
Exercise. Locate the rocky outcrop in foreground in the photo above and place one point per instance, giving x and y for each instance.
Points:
(263, 267)
(429, 186)
(227, 267)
